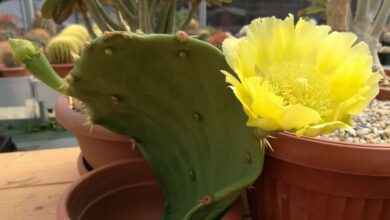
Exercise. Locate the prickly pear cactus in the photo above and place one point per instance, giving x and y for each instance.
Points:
(166, 92)
(63, 49)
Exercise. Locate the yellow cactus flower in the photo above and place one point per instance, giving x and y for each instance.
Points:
(300, 77)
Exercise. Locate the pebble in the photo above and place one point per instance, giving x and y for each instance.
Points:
(371, 126)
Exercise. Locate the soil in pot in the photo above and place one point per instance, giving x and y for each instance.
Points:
(98, 145)
(122, 190)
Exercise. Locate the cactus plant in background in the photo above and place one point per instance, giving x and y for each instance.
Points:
(68, 45)
(150, 16)
(184, 118)
(47, 24)
(76, 30)
(9, 23)
(7, 56)
(5, 35)
(39, 35)
(62, 49)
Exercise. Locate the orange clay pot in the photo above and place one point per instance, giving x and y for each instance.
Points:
(14, 72)
(63, 69)
(118, 191)
(99, 146)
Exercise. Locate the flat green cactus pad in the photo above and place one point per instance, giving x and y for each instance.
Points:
(167, 92)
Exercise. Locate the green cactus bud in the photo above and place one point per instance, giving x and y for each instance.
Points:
(32, 57)
(63, 49)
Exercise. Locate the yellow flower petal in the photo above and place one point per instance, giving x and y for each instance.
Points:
(325, 128)
(265, 124)
(296, 117)
(300, 78)
(333, 51)
(240, 92)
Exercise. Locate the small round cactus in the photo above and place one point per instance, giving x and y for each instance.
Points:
(39, 35)
(47, 24)
(5, 35)
(9, 23)
(6, 55)
(63, 49)
(76, 30)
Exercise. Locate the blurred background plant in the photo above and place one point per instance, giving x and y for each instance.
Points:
(148, 16)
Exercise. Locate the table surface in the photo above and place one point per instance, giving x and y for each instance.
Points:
(32, 182)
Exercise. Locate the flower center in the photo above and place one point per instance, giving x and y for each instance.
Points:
(300, 84)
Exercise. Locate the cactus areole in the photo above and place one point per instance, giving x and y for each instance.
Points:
(167, 93)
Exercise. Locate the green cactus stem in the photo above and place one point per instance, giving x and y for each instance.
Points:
(33, 59)
(167, 93)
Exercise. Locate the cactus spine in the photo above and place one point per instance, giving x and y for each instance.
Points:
(190, 128)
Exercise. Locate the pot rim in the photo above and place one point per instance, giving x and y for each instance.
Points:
(12, 69)
(62, 65)
(62, 204)
(75, 122)
(335, 142)
(333, 156)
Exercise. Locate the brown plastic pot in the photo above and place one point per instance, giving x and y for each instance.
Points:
(14, 72)
(99, 146)
(317, 179)
(384, 93)
(118, 191)
(63, 69)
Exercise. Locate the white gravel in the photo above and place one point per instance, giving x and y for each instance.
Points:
(372, 126)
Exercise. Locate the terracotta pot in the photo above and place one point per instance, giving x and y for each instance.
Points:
(82, 165)
(14, 72)
(314, 179)
(63, 69)
(122, 190)
(384, 94)
(99, 146)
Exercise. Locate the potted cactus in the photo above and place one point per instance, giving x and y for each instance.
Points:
(179, 110)
(63, 50)
(188, 126)
(157, 17)
(8, 29)
(10, 68)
